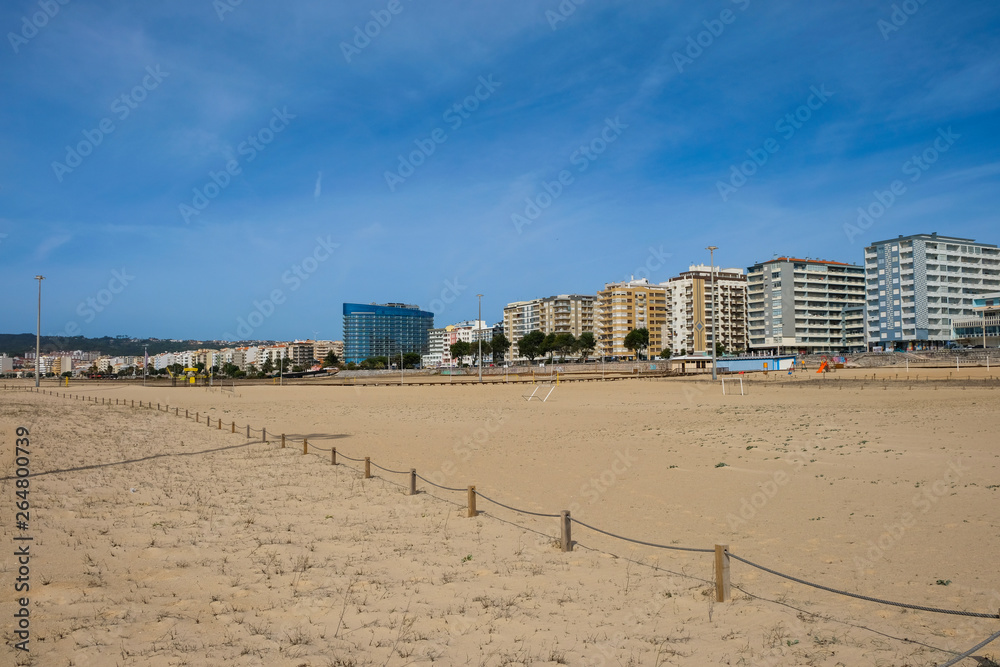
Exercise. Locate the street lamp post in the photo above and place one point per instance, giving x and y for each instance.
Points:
(145, 363)
(479, 324)
(38, 333)
(715, 319)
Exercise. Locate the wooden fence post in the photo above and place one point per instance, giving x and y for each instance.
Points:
(413, 481)
(263, 435)
(333, 456)
(197, 418)
(566, 525)
(282, 440)
(219, 427)
(248, 431)
(368, 467)
(722, 593)
(234, 426)
(472, 502)
(305, 446)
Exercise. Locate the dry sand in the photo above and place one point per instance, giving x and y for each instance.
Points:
(159, 541)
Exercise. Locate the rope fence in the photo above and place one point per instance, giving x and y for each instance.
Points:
(722, 553)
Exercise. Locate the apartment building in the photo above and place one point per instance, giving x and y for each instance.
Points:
(691, 319)
(917, 286)
(623, 306)
(563, 313)
(373, 330)
(302, 352)
(806, 306)
(321, 348)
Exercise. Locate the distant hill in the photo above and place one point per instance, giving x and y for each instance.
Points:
(15, 345)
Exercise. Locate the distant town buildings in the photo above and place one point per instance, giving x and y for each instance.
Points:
(373, 330)
(809, 305)
(917, 286)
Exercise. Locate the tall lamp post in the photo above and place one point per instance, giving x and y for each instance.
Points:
(715, 319)
(145, 363)
(38, 333)
(479, 324)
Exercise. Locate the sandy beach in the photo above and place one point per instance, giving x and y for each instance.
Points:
(161, 541)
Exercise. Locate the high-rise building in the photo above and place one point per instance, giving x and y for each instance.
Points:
(625, 306)
(917, 286)
(806, 305)
(691, 321)
(383, 330)
(564, 313)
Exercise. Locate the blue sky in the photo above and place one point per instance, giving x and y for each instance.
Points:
(172, 168)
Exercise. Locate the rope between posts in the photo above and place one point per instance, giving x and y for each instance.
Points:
(520, 511)
(646, 544)
(446, 488)
(394, 472)
(345, 456)
(959, 658)
(858, 596)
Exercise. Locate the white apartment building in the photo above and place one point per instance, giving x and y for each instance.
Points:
(916, 286)
(806, 306)
(691, 320)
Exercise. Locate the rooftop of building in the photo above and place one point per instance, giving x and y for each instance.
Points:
(933, 236)
(806, 260)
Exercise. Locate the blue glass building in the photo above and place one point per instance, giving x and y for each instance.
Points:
(382, 330)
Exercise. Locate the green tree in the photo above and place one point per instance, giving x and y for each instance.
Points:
(548, 345)
(530, 346)
(459, 349)
(720, 349)
(499, 344)
(411, 360)
(585, 344)
(297, 369)
(564, 343)
(637, 340)
(666, 353)
(331, 359)
(375, 363)
(267, 367)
